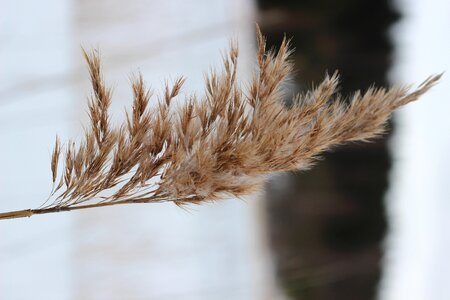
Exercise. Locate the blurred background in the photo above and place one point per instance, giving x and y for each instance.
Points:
(369, 221)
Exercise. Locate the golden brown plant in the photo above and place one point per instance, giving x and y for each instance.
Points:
(223, 144)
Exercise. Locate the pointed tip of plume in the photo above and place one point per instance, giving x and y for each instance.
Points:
(406, 97)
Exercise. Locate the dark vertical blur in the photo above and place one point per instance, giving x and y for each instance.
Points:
(327, 226)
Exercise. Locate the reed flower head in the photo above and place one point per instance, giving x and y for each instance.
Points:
(223, 143)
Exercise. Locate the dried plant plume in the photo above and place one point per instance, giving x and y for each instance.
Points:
(222, 144)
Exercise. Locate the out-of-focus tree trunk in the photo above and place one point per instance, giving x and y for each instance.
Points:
(327, 224)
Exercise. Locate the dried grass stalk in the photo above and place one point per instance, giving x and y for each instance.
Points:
(221, 145)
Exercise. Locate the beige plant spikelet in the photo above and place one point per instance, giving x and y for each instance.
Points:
(222, 144)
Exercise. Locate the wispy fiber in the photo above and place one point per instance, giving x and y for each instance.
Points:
(222, 144)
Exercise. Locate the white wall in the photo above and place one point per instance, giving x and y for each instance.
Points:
(417, 264)
(34, 48)
(159, 251)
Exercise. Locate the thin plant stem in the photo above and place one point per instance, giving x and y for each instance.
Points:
(40, 211)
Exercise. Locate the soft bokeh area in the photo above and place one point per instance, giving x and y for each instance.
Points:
(369, 221)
